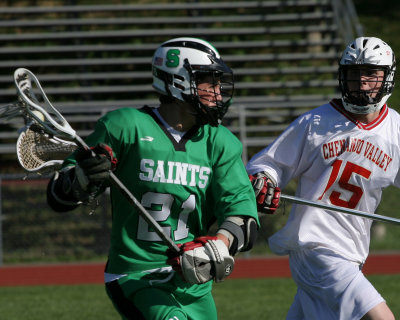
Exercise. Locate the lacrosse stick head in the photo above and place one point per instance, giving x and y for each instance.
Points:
(38, 152)
(36, 107)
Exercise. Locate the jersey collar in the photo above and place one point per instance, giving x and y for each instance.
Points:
(338, 105)
(179, 146)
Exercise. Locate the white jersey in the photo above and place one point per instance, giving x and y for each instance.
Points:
(338, 161)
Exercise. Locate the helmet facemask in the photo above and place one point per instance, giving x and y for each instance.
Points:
(365, 85)
(366, 75)
(211, 90)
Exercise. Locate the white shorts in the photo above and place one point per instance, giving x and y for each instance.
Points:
(329, 287)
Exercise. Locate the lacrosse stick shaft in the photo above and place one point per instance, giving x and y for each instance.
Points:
(340, 209)
(133, 201)
(143, 212)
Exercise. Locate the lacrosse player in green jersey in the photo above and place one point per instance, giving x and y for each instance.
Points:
(186, 170)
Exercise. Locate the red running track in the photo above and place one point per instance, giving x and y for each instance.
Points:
(62, 274)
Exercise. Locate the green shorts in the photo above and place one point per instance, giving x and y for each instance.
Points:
(161, 296)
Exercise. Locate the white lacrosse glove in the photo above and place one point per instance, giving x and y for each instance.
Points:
(201, 260)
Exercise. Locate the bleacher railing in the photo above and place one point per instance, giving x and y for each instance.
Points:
(91, 59)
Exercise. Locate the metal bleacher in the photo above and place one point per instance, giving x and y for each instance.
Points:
(91, 59)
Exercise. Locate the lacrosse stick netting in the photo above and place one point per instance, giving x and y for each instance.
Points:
(37, 108)
(38, 152)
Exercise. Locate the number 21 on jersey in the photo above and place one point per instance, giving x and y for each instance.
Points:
(161, 204)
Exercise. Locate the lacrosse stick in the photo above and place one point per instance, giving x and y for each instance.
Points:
(340, 209)
(39, 152)
(34, 106)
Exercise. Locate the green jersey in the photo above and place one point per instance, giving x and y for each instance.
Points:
(186, 186)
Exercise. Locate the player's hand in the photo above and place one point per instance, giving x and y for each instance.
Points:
(201, 260)
(93, 170)
(266, 191)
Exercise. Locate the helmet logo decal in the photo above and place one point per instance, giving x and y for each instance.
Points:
(172, 58)
(182, 65)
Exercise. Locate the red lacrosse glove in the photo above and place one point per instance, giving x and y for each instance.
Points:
(266, 191)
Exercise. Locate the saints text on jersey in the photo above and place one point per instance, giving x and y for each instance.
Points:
(367, 149)
(174, 172)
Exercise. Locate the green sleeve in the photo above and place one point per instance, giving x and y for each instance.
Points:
(230, 186)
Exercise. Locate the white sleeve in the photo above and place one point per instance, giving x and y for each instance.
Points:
(287, 156)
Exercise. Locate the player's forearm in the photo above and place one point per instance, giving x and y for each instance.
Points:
(239, 233)
(224, 239)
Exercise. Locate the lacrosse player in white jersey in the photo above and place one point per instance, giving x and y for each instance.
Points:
(343, 153)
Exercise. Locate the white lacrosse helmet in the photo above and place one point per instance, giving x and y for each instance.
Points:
(178, 64)
(366, 55)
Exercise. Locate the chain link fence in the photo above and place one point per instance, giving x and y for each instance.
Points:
(32, 232)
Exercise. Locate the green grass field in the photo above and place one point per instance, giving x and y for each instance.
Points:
(267, 298)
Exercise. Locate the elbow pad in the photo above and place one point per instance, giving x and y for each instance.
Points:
(241, 231)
